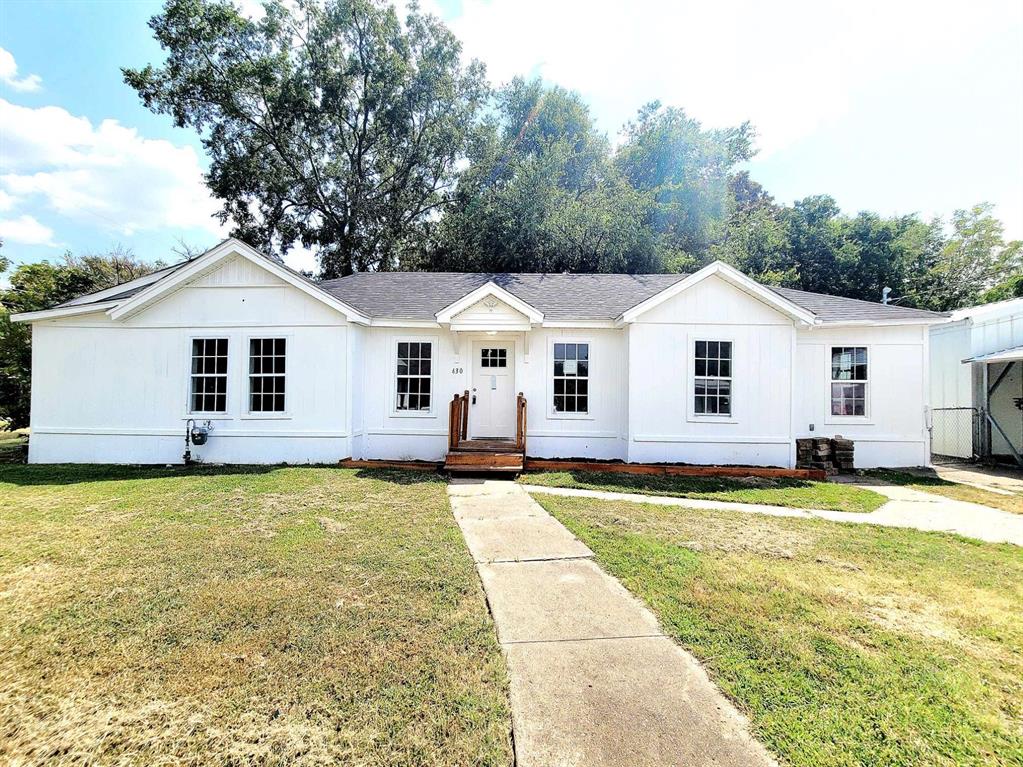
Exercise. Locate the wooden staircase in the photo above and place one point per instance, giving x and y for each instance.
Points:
(484, 455)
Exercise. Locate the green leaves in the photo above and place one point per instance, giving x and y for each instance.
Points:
(331, 124)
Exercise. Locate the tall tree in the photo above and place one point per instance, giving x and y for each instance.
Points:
(336, 125)
(41, 286)
(542, 195)
(973, 259)
(686, 169)
(752, 236)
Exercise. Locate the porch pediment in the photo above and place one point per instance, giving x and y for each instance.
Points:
(489, 307)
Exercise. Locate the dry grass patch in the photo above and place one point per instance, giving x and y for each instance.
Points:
(955, 490)
(845, 644)
(241, 616)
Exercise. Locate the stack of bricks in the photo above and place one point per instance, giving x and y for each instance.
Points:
(831, 455)
(842, 453)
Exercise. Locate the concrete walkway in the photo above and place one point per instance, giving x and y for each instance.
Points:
(906, 507)
(594, 681)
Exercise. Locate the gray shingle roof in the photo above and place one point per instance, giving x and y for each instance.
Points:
(839, 309)
(420, 295)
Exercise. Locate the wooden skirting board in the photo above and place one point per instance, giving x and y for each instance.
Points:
(544, 464)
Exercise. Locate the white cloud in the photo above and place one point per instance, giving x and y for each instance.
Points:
(9, 74)
(789, 68)
(107, 175)
(6, 201)
(25, 230)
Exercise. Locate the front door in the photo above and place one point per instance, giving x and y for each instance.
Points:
(492, 413)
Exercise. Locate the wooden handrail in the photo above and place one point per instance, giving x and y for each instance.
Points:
(458, 419)
(520, 424)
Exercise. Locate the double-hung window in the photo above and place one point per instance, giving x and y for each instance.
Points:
(267, 357)
(208, 388)
(571, 378)
(849, 380)
(414, 376)
(712, 378)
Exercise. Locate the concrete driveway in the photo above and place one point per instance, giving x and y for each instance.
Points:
(594, 681)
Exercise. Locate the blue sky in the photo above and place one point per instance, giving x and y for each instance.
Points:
(895, 107)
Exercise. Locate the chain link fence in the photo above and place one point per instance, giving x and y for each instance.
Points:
(955, 434)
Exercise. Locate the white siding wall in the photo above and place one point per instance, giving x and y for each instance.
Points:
(117, 392)
(108, 391)
(663, 427)
(423, 436)
(894, 433)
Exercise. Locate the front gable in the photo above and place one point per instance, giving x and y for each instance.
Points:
(234, 292)
(714, 301)
(489, 307)
(231, 264)
(490, 313)
(740, 301)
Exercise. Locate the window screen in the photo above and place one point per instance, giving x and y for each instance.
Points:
(414, 375)
(267, 374)
(849, 380)
(712, 380)
(208, 392)
(571, 378)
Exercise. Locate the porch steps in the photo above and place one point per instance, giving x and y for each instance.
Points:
(470, 457)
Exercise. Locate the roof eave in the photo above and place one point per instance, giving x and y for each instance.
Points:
(63, 311)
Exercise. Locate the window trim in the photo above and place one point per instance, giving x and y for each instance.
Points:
(258, 415)
(868, 396)
(552, 414)
(392, 385)
(208, 414)
(689, 385)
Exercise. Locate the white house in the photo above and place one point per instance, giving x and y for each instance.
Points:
(709, 368)
(976, 383)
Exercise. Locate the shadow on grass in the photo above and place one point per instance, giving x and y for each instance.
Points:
(907, 478)
(401, 476)
(661, 483)
(77, 473)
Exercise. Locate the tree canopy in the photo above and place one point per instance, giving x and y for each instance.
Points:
(336, 125)
(339, 125)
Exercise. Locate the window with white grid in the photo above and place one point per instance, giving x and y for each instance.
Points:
(712, 380)
(208, 389)
(849, 380)
(414, 384)
(571, 378)
(267, 359)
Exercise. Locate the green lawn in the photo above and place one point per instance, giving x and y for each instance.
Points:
(796, 493)
(845, 644)
(954, 490)
(242, 616)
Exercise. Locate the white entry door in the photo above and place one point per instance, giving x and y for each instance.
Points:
(492, 413)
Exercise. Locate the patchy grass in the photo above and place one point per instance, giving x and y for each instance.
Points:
(953, 490)
(11, 443)
(845, 644)
(795, 493)
(241, 616)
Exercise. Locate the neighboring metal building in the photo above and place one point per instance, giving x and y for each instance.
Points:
(977, 383)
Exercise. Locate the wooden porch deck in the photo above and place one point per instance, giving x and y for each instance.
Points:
(484, 455)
